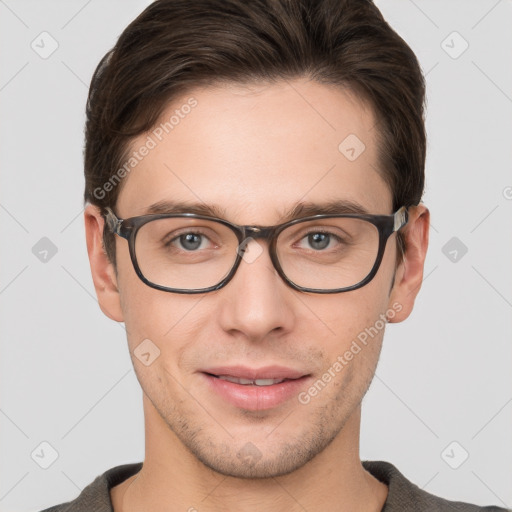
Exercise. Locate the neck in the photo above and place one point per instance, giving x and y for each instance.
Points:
(172, 479)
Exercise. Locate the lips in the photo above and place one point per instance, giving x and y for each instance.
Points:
(255, 388)
(250, 382)
(243, 372)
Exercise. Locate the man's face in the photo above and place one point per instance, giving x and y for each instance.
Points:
(256, 153)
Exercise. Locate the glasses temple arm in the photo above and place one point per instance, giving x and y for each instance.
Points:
(113, 223)
(401, 217)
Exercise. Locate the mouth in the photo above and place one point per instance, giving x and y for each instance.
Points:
(250, 382)
(255, 389)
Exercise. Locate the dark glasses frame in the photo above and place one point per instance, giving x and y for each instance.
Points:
(128, 228)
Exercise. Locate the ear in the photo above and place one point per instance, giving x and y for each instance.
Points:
(409, 274)
(103, 273)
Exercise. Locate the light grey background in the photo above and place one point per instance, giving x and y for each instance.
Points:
(444, 375)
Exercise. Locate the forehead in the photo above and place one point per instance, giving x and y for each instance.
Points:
(258, 150)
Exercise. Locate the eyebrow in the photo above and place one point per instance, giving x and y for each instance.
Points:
(301, 209)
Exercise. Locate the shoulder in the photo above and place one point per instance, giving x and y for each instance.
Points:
(404, 495)
(96, 496)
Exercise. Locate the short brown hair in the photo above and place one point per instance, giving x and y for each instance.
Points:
(177, 45)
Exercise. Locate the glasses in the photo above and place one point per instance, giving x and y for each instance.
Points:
(190, 253)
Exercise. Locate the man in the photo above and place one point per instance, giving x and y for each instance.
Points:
(254, 174)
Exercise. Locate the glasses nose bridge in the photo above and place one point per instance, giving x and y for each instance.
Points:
(255, 232)
(258, 232)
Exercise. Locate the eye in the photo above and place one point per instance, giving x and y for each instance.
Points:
(190, 241)
(320, 239)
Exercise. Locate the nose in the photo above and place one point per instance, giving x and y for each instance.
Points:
(257, 302)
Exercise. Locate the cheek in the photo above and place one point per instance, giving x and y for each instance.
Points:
(350, 327)
(338, 318)
(152, 314)
(137, 301)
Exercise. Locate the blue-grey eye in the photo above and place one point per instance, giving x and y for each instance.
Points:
(190, 241)
(319, 240)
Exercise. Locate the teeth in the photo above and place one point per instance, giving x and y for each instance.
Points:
(235, 380)
(267, 382)
(249, 382)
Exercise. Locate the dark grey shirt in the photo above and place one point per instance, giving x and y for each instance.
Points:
(402, 494)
